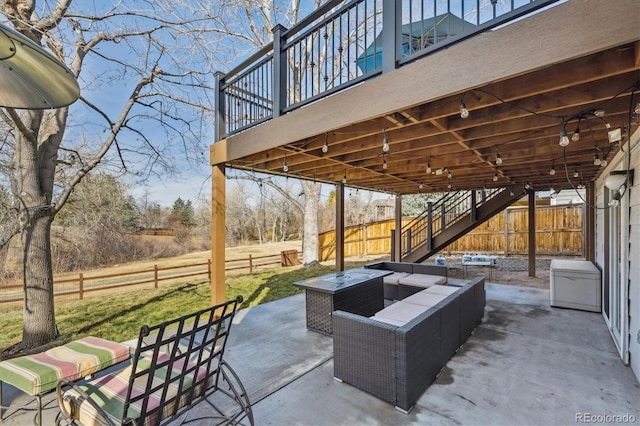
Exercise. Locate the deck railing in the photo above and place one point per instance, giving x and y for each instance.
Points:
(344, 43)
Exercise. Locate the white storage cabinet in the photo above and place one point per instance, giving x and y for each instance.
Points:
(575, 284)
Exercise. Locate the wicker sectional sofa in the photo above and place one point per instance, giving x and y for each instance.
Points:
(396, 358)
(409, 278)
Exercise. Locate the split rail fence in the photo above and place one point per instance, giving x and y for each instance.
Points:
(80, 284)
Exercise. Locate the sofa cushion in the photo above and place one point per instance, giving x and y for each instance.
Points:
(400, 311)
(422, 280)
(393, 278)
(442, 289)
(424, 299)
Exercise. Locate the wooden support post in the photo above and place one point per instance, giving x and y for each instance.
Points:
(506, 232)
(398, 240)
(532, 233)
(590, 224)
(340, 227)
(218, 207)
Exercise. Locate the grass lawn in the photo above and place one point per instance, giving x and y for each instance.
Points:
(119, 316)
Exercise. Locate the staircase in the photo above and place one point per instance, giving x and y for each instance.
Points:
(451, 217)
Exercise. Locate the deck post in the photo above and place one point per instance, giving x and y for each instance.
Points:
(340, 227)
(398, 240)
(532, 233)
(218, 207)
(220, 124)
(279, 71)
(590, 223)
(390, 25)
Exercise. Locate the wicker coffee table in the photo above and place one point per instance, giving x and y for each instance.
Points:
(359, 291)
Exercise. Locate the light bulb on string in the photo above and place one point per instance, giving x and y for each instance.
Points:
(564, 139)
(385, 141)
(498, 159)
(576, 135)
(384, 163)
(325, 147)
(464, 112)
(576, 174)
(285, 166)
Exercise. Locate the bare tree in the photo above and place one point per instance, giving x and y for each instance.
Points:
(144, 70)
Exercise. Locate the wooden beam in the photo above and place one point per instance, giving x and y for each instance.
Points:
(218, 208)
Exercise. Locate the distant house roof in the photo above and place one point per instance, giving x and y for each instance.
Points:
(415, 36)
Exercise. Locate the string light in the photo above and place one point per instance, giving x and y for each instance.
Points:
(429, 166)
(285, 167)
(464, 112)
(576, 133)
(552, 170)
(344, 178)
(498, 159)
(564, 139)
(384, 162)
(596, 160)
(495, 175)
(325, 147)
(385, 141)
(576, 174)
(448, 174)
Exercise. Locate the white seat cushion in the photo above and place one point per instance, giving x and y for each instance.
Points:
(393, 278)
(423, 298)
(442, 289)
(401, 312)
(423, 280)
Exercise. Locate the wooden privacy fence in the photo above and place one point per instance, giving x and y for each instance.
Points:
(559, 231)
(11, 296)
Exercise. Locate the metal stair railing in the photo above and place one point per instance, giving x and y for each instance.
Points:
(439, 216)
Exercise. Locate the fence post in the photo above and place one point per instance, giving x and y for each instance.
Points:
(81, 285)
(155, 276)
(209, 269)
(250, 264)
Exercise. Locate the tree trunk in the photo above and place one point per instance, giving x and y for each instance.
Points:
(310, 235)
(39, 318)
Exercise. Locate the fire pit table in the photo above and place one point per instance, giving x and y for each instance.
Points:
(359, 291)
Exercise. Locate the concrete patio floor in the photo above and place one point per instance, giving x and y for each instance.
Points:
(526, 364)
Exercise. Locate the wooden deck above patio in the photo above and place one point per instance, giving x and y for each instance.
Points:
(574, 66)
